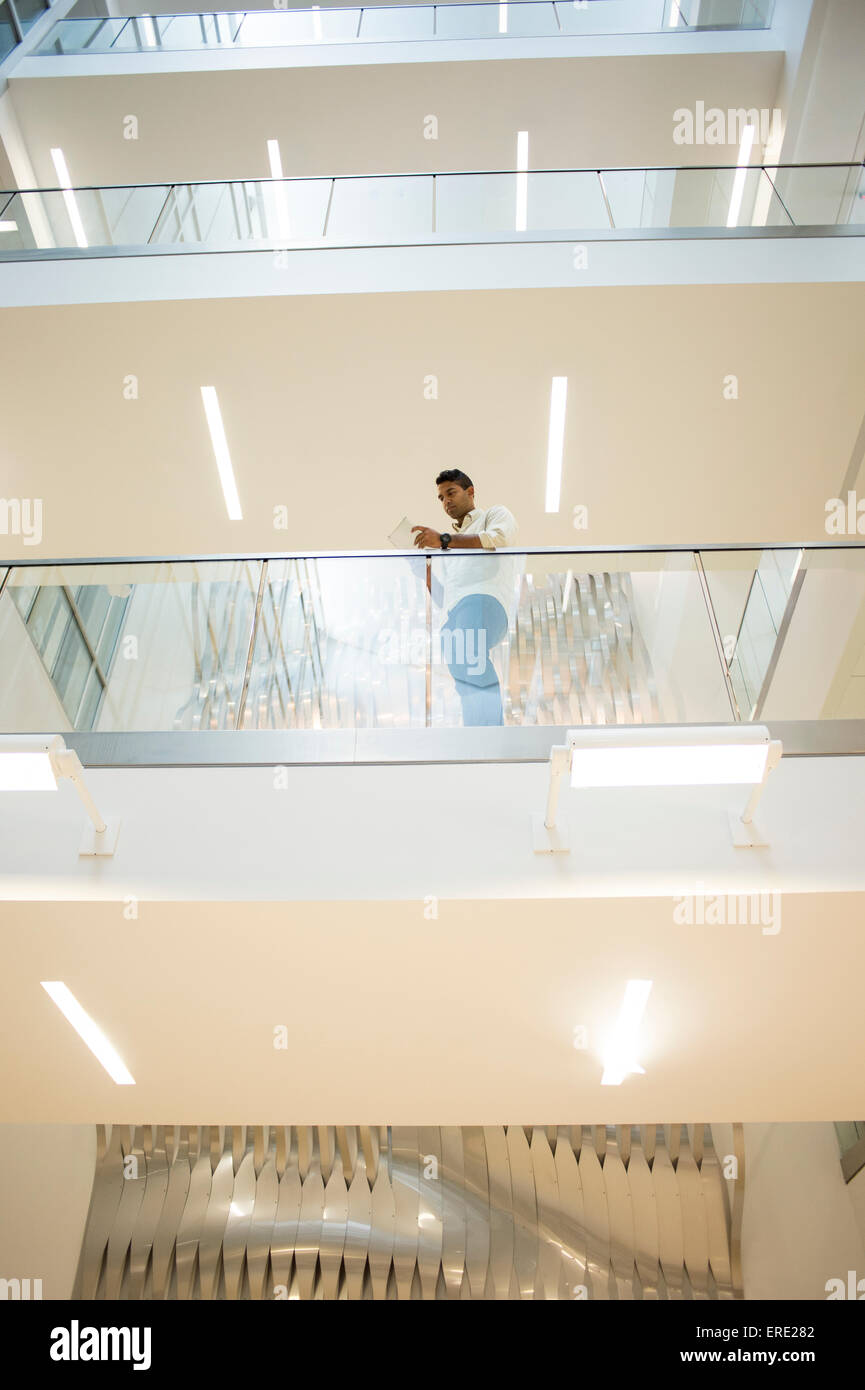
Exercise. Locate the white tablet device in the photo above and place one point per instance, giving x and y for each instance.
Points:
(401, 537)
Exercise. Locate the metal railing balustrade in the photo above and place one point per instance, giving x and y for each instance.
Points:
(341, 641)
(284, 26)
(472, 208)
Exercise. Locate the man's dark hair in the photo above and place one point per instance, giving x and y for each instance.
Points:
(454, 475)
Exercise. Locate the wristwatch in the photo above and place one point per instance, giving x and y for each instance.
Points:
(445, 540)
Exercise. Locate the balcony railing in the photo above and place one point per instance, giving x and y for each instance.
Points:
(358, 641)
(406, 23)
(431, 209)
(17, 18)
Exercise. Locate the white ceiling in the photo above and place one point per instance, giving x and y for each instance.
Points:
(465, 1020)
(324, 407)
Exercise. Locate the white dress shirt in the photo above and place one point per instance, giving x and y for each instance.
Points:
(466, 572)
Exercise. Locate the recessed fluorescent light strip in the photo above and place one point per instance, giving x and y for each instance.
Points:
(503, 19)
(69, 197)
(274, 157)
(8, 226)
(316, 21)
(620, 1056)
(522, 181)
(741, 174)
(220, 451)
(88, 1031)
(556, 442)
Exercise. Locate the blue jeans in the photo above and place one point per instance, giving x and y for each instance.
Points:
(479, 623)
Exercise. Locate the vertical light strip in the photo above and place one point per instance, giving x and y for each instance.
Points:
(220, 450)
(741, 174)
(88, 1031)
(69, 197)
(316, 22)
(149, 32)
(283, 224)
(522, 180)
(620, 1056)
(556, 442)
(503, 18)
(675, 14)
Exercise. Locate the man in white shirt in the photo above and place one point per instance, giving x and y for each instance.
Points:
(478, 592)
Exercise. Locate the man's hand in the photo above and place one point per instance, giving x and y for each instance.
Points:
(427, 538)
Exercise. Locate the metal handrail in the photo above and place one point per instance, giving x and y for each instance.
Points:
(334, 9)
(27, 561)
(442, 173)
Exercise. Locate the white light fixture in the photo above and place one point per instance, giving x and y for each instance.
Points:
(274, 158)
(522, 207)
(149, 32)
(741, 174)
(664, 756)
(316, 21)
(503, 18)
(556, 442)
(8, 226)
(220, 451)
(35, 762)
(88, 1031)
(69, 197)
(620, 1054)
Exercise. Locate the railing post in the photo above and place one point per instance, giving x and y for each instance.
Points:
(716, 633)
(262, 580)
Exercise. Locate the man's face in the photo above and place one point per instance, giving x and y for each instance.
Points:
(457, 501)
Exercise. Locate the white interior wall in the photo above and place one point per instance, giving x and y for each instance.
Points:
(799, 1227)
(46, 1176)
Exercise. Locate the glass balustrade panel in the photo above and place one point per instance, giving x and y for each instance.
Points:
(820, 666)
(614, 639)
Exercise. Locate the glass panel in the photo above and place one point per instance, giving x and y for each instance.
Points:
(612, 17)
(515, 18)
(89, 707)
(8, 37)
(473, 205)
(172, 32)
(821, 196)
(520, 21)
(82, 36)
(380, 208)
(273, 210)
(262, 30)
(469, 21)
(105, 217)
(397, 22)
(189, 627)
(341, 644)
(749, 590)
(718, 14)
(684, 197)
(71, 669)
(28, 701)
(821, 668)
(627, 642)
(28, 11)
(565, 202)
